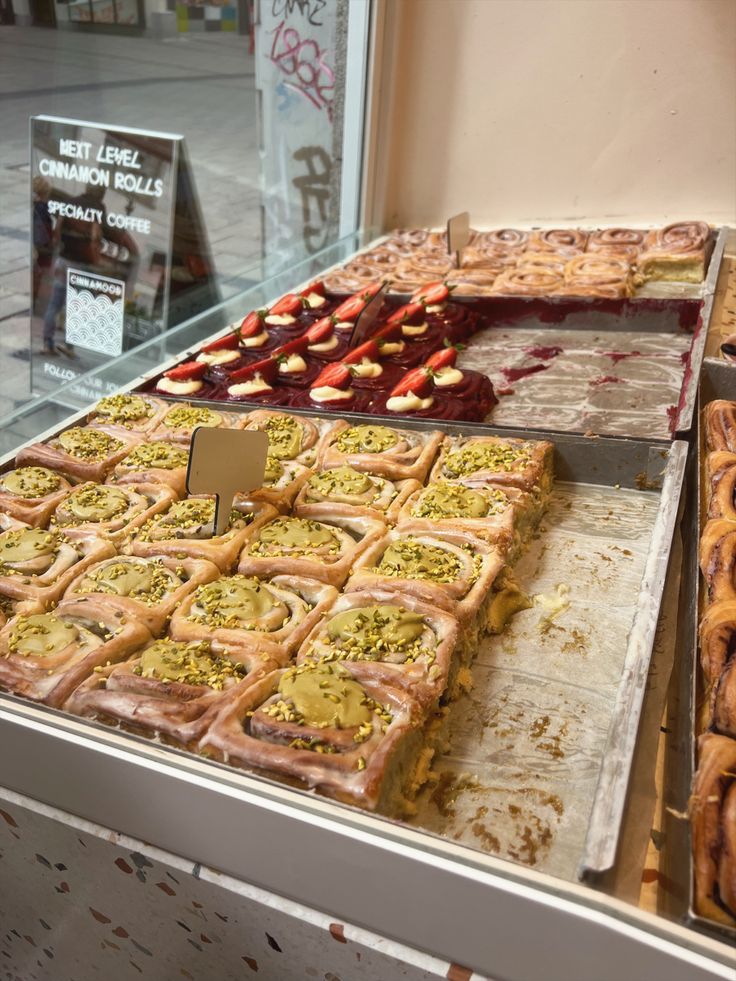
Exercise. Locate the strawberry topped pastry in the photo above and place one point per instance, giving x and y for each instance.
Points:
(256, 382)
(458, 319)
(407, 338)
(349, 310)
(284, 319)
(296, 368)
(371, 369)
(185, 381)
(471, 388)
(333, 389)
(315, 302)
(326, 343)
(250, 341)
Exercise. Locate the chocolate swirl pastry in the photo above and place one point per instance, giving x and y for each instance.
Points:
(186, 529)
(289, 437)
(136, 413)
(145, 590)
(676, 252)
(719, 418)
(180, 422)
(318, 727)
(305, 547)
(109, 511)
(527, 281)
(451, 570)
(713, 822)
(155, 462)
(171, 689)
(720, 486)
(591, 274)
(30, 494)
(38, 565)
(82, 454)
(345, 490)
(382, 450)
(568, 241)
(526, 464)
(45, 656)
(616, 241)
(718, 559)
(260, 615)
(396, 640)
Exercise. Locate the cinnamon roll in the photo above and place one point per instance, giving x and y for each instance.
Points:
(81, 454)
(509, 239)
(720, 487)
(45, 656)
(30, 494)
(242, 612)
(146, 590)
(525, 281)
(624, 242)
(424, 266)
(718, 559)
(318, 727)
(451, 570)
(136, 413)
(717, 638)
(598, 275)
(180, 422)
(185, 529)
(676, 252)
(345, 490)
(719, 418)
(282, 480)
(289, 437)
(567, 241)
(39, 565)
(723, 701)
(155, 462)
(713, 822)
(304, 547)
(543, 262)
(170, 690)
(382, 450)
(526, 464)
(394, 639)
(111, 512)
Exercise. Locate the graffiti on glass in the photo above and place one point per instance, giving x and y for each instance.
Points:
(314, 187)
(308, 9)
(303, 63)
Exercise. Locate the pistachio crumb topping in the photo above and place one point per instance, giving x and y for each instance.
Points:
(91, 445)
(295, 536)
(124, 408)
(41, 635)
(285, 436)
(376, 633)
(409, 558)
(498, 457)
(159, 455)
(96, 503)
(344, 482)
(30, 482)
(145, 580)
(238, 603)
(191, 518)
(445, 500)
(29, 551)
(366, 439)
(189, 663)
(189, 416)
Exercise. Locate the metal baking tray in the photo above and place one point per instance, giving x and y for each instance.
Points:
(718, 381)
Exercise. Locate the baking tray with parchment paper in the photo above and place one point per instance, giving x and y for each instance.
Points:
(539, 753)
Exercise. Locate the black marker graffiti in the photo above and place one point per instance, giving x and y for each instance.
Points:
(309, 9)
(314, 187)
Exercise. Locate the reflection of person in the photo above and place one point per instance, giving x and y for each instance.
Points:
(43, 233)
(80, 246)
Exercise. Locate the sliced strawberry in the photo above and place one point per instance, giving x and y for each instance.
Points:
(411, 313)
(445, 358)
(390, 332)
(418, 381)
(368, 292)
(253, 324)
(298, 346)
(228, 342)
(321, 331)
(368, 350)
(335, 375)
(318, 288)
(350, 309)
(289, 305)
(268, 369)
(189, 371)
(431, 294)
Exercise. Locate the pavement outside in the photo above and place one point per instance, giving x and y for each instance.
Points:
(201, 86)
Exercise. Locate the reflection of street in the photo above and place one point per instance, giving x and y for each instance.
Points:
(201, 86)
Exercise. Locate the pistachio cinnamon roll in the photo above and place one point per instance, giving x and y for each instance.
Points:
(80, 453)
(180, 422)
(45, 656)
(282, 480)
(713, 823)
(147, 590)
(136, 413)
(155, 462)
(526, 464)
(272, 615)
(186, 529)
(345, 490)
(396, 640)
(319, 727)
(398, 454)
(289, 437)
(170, 689)
(30, 494)
(108, 511)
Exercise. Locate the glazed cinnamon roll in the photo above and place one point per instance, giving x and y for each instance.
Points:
(136, 413)
(80, 453)
(345, 490)
(392, 638)
(719, 418)
(155, 462)
(525, 281)
(144, 590)
(717, 638)
(180, 422)
(526, 464)
(282, 480)
(502, 239)
(568, 241)
(319, 727)
(382, 450)
(39, 565)
(713, 822)
(45, 656)
(600, 275)
(242, 612)
(720, 470)
(624, 242)
(108, 511)
(30, 494)
(170, 690)
(676, 252)
(289, 437)
(475, 281)
(718, 559)
(543, 262)
(723, 701)
(304, 547)
(425, 266)
(185, 529)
